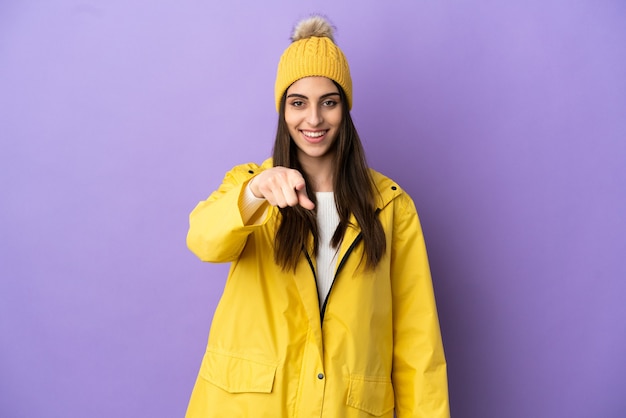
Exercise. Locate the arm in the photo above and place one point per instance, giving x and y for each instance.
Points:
(218, 230)
(419, 367)
(219, 226)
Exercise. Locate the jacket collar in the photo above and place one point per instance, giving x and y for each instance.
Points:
(388, 190)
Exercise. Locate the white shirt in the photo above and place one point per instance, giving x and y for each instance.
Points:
(327, 220)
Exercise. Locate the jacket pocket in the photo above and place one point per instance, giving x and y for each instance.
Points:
(237, 374)
(373, 395)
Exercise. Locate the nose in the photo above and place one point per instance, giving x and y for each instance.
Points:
(314, 117)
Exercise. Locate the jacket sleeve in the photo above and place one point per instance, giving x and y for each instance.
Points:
(419, 367)
(217, 232)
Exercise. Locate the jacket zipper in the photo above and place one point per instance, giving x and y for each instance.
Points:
(358, 239)
(339, 268)
(308, 258)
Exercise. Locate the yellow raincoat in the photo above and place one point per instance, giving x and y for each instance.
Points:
(374, 347)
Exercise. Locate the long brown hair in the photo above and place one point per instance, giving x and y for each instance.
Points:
(354, 192)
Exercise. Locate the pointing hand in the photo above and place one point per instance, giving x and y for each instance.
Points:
(281, 187)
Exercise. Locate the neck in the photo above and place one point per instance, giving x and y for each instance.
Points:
(319, 172)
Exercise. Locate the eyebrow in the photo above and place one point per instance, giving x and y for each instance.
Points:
(323, 96)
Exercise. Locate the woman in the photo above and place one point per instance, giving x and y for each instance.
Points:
(328, 310)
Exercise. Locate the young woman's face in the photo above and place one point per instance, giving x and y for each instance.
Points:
(313, 115)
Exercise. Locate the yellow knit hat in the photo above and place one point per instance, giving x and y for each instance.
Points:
(312, 53)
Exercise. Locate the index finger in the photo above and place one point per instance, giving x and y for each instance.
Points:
(303, 198)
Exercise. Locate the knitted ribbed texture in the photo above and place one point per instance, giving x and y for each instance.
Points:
(326, 260)
(249, 206)
(314, 56)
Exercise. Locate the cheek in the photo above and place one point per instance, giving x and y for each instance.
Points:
(291, 120)
(335, 117)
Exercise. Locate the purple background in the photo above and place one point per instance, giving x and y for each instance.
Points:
(506, 121)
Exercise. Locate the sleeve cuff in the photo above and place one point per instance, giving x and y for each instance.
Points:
(249, 205)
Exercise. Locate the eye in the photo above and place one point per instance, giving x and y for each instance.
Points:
(297, 103)
(329, 103)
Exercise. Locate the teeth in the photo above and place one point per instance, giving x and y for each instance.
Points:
(314, 134)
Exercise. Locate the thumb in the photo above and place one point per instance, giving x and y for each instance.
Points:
(303, 198)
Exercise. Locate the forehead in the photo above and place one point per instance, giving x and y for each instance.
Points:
(313, 86)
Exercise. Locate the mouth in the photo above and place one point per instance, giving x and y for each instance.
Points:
(314, 136)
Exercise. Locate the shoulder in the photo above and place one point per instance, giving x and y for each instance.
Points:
(243, 172)
(390, 192)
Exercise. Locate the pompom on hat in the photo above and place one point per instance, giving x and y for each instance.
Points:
(312, 53)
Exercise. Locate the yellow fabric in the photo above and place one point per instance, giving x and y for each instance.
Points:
(314, 56)
(377, 350)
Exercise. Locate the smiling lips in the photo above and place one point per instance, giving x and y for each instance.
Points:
(314, 136)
